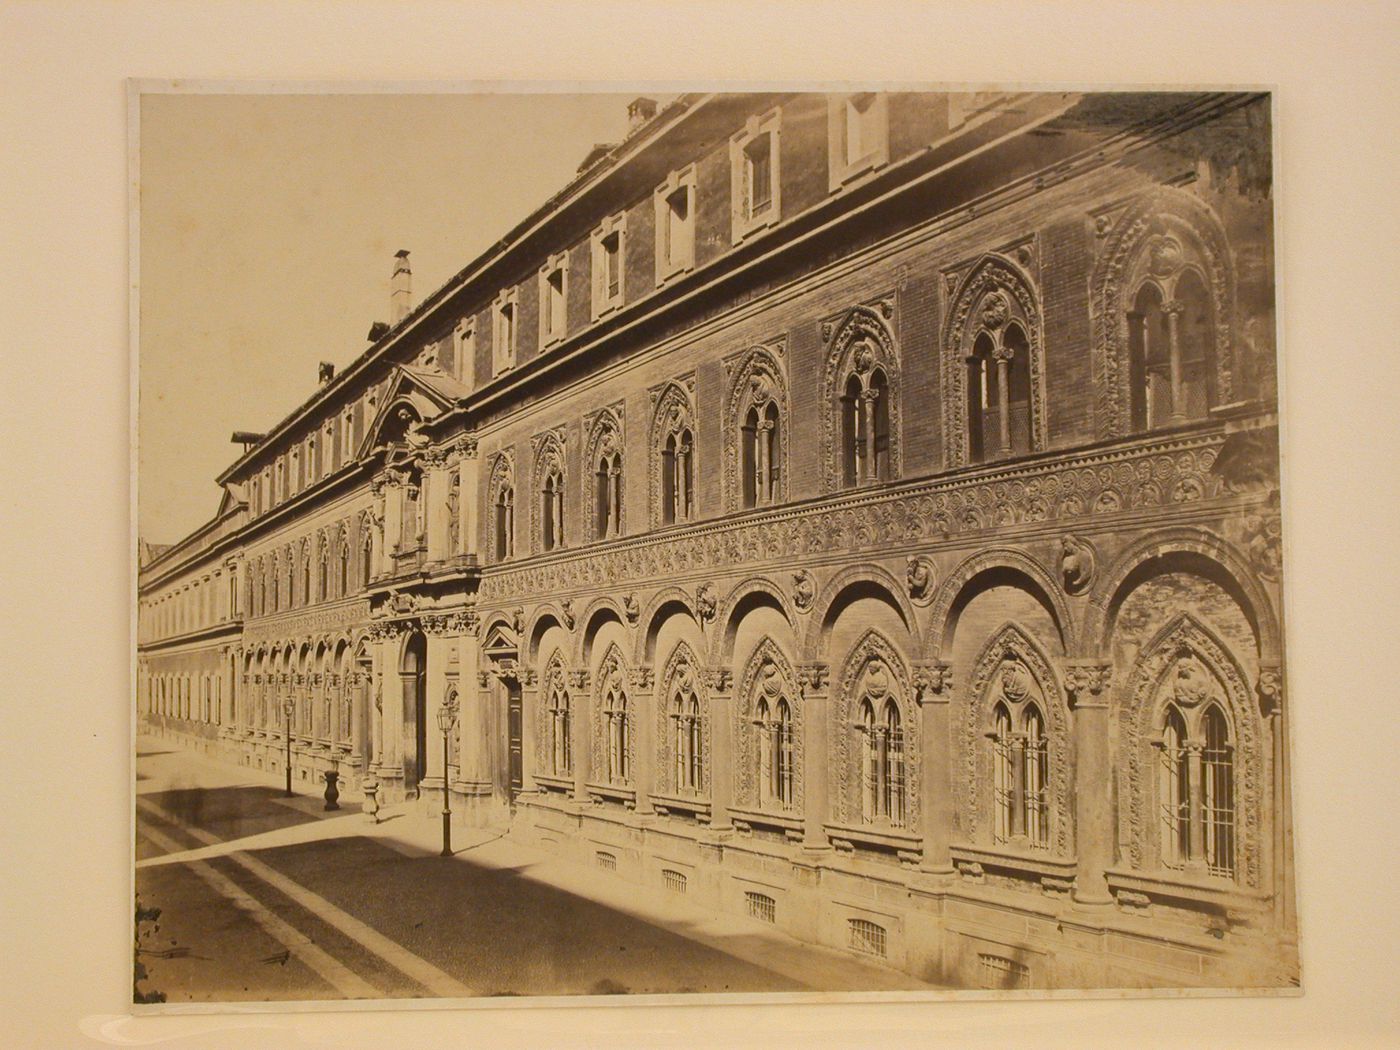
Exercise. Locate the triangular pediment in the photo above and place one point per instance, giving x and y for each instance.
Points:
(415, 395)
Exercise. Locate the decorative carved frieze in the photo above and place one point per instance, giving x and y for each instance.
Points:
(306, 623)
(1150, 473)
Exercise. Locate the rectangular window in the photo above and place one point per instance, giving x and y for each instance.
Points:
(554, 299)
(505, 310)
(755, 183)
(675, 225)
(464, 350)
(1000, 972)
(608, 244)
(858, 130)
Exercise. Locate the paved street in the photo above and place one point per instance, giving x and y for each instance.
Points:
(268, 898)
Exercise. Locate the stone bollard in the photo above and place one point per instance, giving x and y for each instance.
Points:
(332, 791)
(371, 789)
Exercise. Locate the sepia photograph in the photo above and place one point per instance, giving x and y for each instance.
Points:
(707, 543)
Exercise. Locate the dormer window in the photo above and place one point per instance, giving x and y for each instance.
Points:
(754, 185)
(859, 135)
(607, 249)
(505, 310)
(675, 225)
(554, 303)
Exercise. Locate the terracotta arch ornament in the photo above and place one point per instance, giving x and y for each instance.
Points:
(819, 623)
(599, 611)
(1152, 556)
(1139, 704)
(861, 342)
(1011, 646)
(648, 621)
(1044, 588)
(1166, 226)
(995, 293)
(672, 413)
(726, 622)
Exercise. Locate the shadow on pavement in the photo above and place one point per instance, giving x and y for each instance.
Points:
(504, 933)
(229, 812)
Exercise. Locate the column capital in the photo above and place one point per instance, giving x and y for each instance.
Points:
(813, 677)
(1270, 688)
(642, 678)
(933, 681)
(719, 679)
(1087, 680)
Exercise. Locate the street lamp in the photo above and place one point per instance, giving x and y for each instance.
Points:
(446, 718)
(288, 706)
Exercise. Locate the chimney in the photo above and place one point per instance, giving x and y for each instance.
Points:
(400, 288)
(639, 111)
(325, 373)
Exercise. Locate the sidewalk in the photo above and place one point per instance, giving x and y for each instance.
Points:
(233, 810)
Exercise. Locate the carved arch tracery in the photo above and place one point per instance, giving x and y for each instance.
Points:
(873, 666)
(994, 295)
(861, 344)
(757, 378)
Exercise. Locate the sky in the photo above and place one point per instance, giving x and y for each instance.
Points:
(268, 226)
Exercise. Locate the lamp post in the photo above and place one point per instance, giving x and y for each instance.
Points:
(288, 706)
(447, 718)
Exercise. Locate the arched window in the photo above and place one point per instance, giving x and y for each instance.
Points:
(366, 558)
(1037, 778)
(882, 762)
(343, 567)
(552, 510)
(677, 477)
(1174, 791)
(505, 523)
(501, 499)
(607, 481)
(560, 732)
(1021, 770)
(305, 573)
(783, 773)
(685, 714)
(618, 731)
(1171, 337)
(852, 433)
(1218, 793)
(276, 586)
(754, 435)
(1003, 777)
(323, 569)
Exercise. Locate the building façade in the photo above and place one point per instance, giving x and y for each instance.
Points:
(856, 511)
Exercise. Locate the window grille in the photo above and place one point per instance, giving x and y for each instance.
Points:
(1174, 793)
(867, 937)
(1000, 972)
(1037, 776)
(606, 861)
(1218, 783)
(762, 906)
(674, 880)
(1003, 793)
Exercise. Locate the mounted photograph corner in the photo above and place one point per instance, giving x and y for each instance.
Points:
(747, 544)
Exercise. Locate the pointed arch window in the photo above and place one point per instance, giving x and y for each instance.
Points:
(366, 558)
(343, 566)
(618, 730)
(882, 762)
(1020, 763)
(673, 449)
(607, 482)
(323, 570)
(861, 396)
(1171, 340)
(689, 747)
(305, 574)
(505, 523)
(560, 726)
(1196, 792)
(776, 755)
(552, 509)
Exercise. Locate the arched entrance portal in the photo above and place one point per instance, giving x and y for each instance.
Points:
(414, 673)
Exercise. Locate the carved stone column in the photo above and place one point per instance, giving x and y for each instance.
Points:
(934, 691)
(580, 709)
(1094, 820)
(721, 683)
(1002, 356)
(643, 703)
(391, 708)
(1271, 704)
(816, 714)
(1174, 309)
